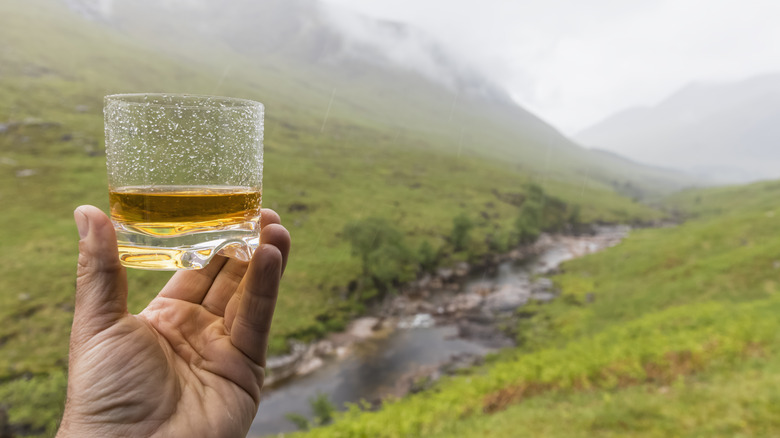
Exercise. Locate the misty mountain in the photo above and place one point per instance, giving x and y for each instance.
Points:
(328, 64)
(724, 132)
(306, 32)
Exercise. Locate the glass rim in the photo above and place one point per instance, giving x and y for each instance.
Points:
(199, 100)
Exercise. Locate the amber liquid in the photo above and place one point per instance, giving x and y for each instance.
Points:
(173, 227)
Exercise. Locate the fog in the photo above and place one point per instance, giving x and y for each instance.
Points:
(410, 48)
(576, 64)
(579, 67)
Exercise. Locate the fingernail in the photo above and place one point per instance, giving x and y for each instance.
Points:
(82, 223)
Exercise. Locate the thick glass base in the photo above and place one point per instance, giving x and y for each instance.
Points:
(193, 250)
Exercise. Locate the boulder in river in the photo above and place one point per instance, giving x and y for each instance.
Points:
(507, 298)
(283, 367)
(424, 282)
(444, 273)
(462, 269)
(422, 320)
(542, 285)
(488, 335)
(543, 296)
(363, 328)
(461, 361)
(463, 302)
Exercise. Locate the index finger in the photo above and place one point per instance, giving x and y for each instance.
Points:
(252, 324)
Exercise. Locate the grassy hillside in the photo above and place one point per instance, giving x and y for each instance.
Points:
(321, 173)
(672, 333)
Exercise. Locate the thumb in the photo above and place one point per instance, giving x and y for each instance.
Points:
(101, 283)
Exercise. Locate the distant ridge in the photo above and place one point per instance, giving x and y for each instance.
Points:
(724, 132)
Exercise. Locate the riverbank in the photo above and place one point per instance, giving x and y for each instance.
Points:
(473, 300)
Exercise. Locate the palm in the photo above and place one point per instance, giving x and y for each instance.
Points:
(191, 364)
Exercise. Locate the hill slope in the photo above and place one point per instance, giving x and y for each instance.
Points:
(724, 132)
(382, 144)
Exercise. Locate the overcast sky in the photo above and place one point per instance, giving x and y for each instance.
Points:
(574, 63)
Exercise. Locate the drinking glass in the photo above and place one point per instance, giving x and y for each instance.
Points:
(184, 178)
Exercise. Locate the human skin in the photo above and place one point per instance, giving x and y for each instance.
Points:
(191, 364)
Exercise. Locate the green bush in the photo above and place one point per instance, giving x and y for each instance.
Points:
(324, 411)
(427, 256)
(461, 229)
(385, 258)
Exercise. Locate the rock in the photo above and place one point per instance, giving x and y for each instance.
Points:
(412, 307)
(485, 291)
(463, 302)
(454, 287)
(423, 383)
(542, 285)
(486, 334)
(363, 328)
(309, 365)
(416, 380)
(462, 361)
(422, 320)
(424, 307)
(462, 269)
(424, 282)
(282, 367)
(81, 108)
(544, 241)
(3, 128)
(509, 297)
(399, 305)
(542, 296)
(324, 348)
(478, 317)
(8, 161)
(23, 296)
(444, 273)
(482, 287)
(590, 297)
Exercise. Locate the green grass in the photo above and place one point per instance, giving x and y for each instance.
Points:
(680, 337)
(727, 401)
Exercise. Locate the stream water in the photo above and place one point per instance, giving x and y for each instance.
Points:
(374, 367)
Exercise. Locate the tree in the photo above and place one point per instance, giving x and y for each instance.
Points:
(461, 228)
(529, 220)
(427, 256)
(384, 257)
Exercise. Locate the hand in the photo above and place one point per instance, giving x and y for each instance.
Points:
(191, 364)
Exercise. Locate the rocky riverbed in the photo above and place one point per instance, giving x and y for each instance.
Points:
(456, 296)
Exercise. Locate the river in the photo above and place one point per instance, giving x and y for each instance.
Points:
(386, 356)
